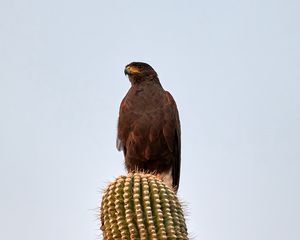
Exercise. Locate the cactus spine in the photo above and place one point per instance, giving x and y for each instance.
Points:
(141, 206)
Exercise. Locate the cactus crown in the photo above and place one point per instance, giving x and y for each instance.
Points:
(141, 206)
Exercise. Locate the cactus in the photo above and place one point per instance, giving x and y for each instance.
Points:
(141, 206)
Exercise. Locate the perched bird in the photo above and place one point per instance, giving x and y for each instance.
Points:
(149, 127)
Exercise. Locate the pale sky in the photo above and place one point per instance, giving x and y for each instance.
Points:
(233, 69)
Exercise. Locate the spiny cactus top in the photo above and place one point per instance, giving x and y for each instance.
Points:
(141, 206)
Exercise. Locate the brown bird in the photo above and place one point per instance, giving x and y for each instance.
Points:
(149, 127)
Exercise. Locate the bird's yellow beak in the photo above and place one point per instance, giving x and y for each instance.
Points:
(129, 70)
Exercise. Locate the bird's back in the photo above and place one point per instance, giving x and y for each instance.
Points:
(143, 115)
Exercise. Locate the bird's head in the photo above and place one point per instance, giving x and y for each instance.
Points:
(138, 72)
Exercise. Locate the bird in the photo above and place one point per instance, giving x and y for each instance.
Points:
(148, 129)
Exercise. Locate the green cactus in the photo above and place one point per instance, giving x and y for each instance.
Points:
(141, 206)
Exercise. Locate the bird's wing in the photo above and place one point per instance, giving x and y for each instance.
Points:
(120, 146)
(172, 134)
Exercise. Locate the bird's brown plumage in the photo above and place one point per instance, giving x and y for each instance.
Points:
(148, 126)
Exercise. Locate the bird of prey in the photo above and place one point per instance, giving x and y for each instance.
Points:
(149, 127)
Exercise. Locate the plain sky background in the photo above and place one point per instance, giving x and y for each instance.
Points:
(233, 69)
